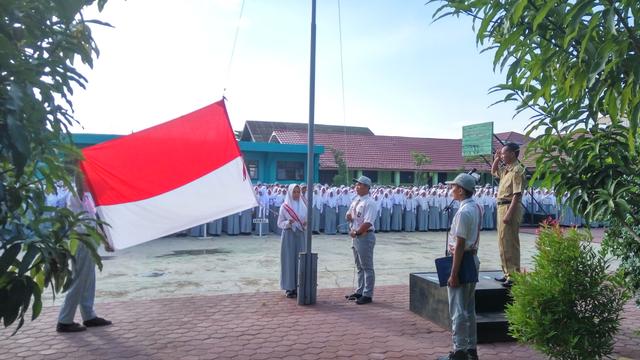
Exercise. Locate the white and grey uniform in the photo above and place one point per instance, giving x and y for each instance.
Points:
(462, 304)
(363, 210)
(83, 287)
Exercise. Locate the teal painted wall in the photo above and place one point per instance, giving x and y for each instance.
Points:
(268, 155)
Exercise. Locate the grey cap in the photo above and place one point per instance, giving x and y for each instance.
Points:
(465, 181)
(363, 180)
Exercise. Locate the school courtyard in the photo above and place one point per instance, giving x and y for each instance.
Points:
(219, 298)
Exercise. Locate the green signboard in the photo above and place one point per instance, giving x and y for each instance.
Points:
(477, 139)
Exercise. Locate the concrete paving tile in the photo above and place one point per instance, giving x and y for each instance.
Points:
(26, 354)
(54, 356)
(190, 357)
(377, 356)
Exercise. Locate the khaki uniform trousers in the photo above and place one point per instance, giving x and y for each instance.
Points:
(509, 239)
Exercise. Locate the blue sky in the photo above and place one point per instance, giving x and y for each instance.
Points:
(403, 74)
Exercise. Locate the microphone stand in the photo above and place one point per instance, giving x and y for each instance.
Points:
(446, 234)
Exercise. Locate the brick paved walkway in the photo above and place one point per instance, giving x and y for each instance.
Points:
(262, 326)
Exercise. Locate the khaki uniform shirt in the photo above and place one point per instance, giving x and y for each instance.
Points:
(512, 181)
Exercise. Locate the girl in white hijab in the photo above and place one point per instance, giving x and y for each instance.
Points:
(318, 208)
(410, 205)
(330, 213)
(344, 201)
(292, 219)
(422, 211)
(385, 214)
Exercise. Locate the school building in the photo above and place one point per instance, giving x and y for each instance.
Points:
(277, 152)
(384, 159)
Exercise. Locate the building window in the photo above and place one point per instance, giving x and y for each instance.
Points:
(252, 168)
(326, 176)
(442, 178)
(371, 174)
(290, 170)
(406, 177)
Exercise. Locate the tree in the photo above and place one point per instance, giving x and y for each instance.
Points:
(571, 62)
(420, 159)
(40, 40)
(238, 134)
(341, 177)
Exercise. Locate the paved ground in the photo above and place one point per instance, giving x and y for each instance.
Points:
(188, 266)
(255, 320)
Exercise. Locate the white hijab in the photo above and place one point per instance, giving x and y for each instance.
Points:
(297, 206)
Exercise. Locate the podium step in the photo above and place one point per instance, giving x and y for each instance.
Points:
(429, 300)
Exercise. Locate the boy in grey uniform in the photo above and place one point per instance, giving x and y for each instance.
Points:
(463, 238)
(363, 213)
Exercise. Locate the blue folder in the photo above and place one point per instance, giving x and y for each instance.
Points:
(467, 274)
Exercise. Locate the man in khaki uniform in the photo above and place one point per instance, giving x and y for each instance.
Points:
(512, 186)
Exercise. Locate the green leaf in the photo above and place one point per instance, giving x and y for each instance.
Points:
(73, 244)
(17, 292)
(517, 10)
(8, 257)
(542, 13)
(27, 259)
(19, 143)
(633, 125)
(609, 20)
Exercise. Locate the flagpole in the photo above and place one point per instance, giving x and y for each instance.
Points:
(308, 265)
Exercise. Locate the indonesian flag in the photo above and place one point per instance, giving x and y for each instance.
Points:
(168, 178)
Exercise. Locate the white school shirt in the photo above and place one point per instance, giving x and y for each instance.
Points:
(466, 224)
(363, 210)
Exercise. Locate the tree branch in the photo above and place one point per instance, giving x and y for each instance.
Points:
(630, 229)
(625, 24)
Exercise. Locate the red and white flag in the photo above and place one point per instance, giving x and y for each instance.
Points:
(168, 178)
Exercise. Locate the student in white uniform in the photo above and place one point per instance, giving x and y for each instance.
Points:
(385, 212)
(83, 287)
(362, 214)
(330, 213)
(410, 213)
(463, 238)
(292, 219)
(318, 208)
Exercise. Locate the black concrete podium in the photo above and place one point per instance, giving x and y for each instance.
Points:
(431, 301)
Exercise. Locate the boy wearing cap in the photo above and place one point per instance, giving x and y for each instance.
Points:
(362, 213)
(463, 238)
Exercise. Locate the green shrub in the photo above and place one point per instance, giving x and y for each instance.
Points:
(568, 307)
(619, 242)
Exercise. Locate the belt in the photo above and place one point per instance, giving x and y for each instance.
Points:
(474, 252)
(504, 202)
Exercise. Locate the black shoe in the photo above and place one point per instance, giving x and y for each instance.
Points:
(354, 296)
(458, 355)
(473, 354)
(96, 321)
(67, 328)
(509, 283)
(294, 293)
(364, 300)
(289, 294)
(500, 279)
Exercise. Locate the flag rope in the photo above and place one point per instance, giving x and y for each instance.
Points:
(344, 113)
(233, 49)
